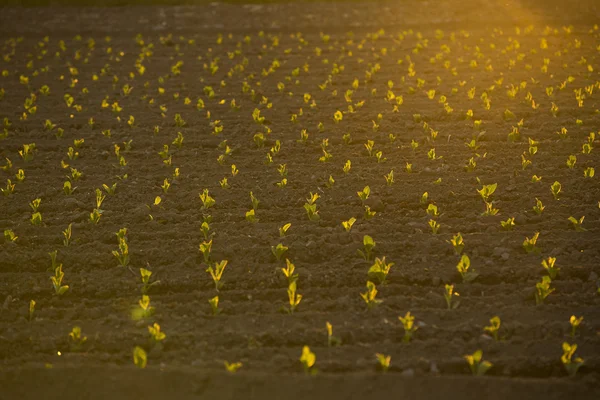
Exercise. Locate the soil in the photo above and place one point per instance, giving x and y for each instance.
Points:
(38, 358)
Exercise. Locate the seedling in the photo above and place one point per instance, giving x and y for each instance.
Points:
(457, 243)
(35, 204)
(156, 335)
(370, 296)
(555, 189)
(308, 359)
(449, 294)
(331, 340)
(530, 244)
(589, 172)
(368, 213)
(486, 191)
(508, 224)
(283, 230)
(59, 288)
(10, 236)
(205, 248)
(379, 271)
(146, 284)
(110, 189)
(477, 366)
(575, 322)
(293, 297)
(288, 271)
(408, 322)
(368, 246)
(95, 216)
(207, 200)
(254, 201)
(31, 309)
(571, 365)
(548, 265)
(140, 359)
(348, 224)
(251, 216)
(278, 251)
(494, 327)
(122, 254)
(77, 340)
(36, 218)
(571, 161)
(464, 269)
(232, 367)
(144, 310)
(389, 178)
(432, 210)
(347, 167)
(214, 305)
(217, 272)
(434, 225)
(543, 290)
(311, 207)
(363, 195)
(384, 361)
(577, 223)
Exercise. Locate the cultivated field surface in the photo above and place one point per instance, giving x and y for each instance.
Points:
(329, 201)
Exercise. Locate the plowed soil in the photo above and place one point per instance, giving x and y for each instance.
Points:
(507, 54)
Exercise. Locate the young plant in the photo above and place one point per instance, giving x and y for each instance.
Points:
(543, 290)
(408, 323)
(363, 195)
(207, 200)
(122, 254)
(308, 359)
(555, 188)
(232, 367)
(77, 339)
(140, 358)
(370, 296)
(348, 224)
(254, 201)
(311, 207)
(214, 305)
(493, 327)
(31, 309)
(464, 269)
(508, 224)
(384, 361)
(457, 243)
(548, 265)
(575, 322)
(389, 178)
(10, 236)
(577, 223)
(217, 272)
(486, 191)
(156, 335)
(539, 207)
(571, 365)
(288, 271)
(59, 288)
(36, 218)
(477, 366)
(379, 271)
(449, 294)
(293, 297)
(283, 230)
(434, 225)
(529, 244)
(331, 340)
(368, 246)
(278, 251)
(146, 284)
(205, 248)
(251, 216)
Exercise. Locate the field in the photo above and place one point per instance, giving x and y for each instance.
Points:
(382, 188)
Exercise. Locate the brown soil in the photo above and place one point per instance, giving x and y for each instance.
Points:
(37, 359)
